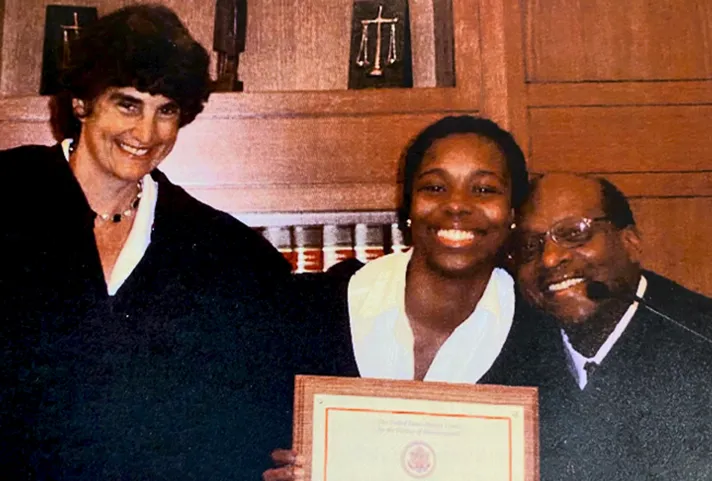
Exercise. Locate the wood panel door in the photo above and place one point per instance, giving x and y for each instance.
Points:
(624, 90)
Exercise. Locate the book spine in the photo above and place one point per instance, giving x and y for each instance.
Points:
(397, 240)
(368, 242)
(307, 247)
(281, 239)
(316, 248)
(337, 244)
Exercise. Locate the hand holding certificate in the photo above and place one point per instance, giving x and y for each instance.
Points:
(355, 429)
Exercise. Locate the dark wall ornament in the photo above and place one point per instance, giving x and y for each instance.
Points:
(229, 37)
(62, 25)
(380, 45)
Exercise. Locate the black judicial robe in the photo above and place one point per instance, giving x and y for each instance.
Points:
(646, 412)
(177, 376)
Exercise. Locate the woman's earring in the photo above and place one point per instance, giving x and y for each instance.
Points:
(78, 107)
(512, 215)
(409, 223)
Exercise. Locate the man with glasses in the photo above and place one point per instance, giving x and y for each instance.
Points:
(646, 411)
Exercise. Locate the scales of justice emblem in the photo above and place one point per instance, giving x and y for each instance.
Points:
(69, 34)
(63, 25)
(380, 51)
(362, 59)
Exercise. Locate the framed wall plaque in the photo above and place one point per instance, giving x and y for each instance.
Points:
(62, 25)
(380, 45)
(382, 430)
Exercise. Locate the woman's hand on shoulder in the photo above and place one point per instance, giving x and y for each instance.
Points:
(289, 466)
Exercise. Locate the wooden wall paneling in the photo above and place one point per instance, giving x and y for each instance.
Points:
(652, 138)
(2, 25)
(297, 45)
(23, 36)
(23, 109)
(443, 42)
(468, 59)
(198, 17)
(291, 45)
(16, 133)
(322, 40)
(294, 45)
(620, 93)
(309, 150)
(299, 199)
(289, 104)
(293, 151)
(24, 120)
(255, 164)
(664, 184)
(624, 89)
(305, 46)
(503, 88)
(676, 235)
(270, 49)
(430, 61)
(613, 40)
(305, 160)
(422, 37)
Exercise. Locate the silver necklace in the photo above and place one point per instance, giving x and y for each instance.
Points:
(119, 216)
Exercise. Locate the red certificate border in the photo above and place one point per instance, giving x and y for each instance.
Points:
(419, 413)
(306, 387)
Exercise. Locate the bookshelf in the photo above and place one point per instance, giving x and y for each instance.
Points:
(302, 144)
(293, 151)
(280, 151)
(315, 241)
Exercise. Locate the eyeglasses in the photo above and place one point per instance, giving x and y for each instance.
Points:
(568, 233)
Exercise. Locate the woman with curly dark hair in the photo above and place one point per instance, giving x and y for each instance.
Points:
(132, 314)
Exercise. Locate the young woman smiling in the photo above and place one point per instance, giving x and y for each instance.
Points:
(441, 311)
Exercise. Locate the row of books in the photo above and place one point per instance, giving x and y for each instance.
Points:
(316, 248)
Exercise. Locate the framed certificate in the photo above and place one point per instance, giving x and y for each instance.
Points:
(352, 429)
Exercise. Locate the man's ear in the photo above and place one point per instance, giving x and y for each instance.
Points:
(632, 243)
(79, 108)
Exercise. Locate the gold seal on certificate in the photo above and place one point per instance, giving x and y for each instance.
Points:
(382, 430)
(418, 459)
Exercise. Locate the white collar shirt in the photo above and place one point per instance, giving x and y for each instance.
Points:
(383, 339)
(140, 236)
(578, 361)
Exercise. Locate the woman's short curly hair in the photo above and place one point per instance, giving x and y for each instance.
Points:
(142, 46)
(463, 124)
